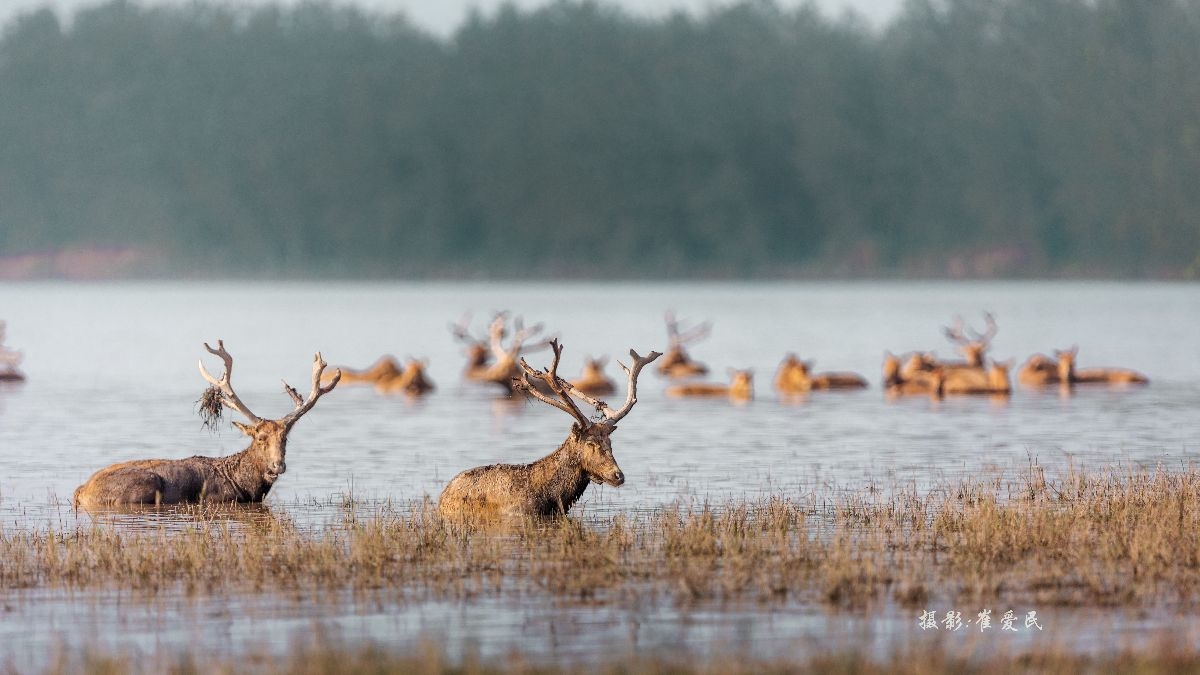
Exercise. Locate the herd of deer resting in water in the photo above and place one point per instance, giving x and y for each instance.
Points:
(553, 483)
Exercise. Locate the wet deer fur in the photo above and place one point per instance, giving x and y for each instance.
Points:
(795, 376)
(246, 476)
(552, 484)
(740, 387)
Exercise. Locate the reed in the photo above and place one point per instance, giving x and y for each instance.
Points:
(1114, 538)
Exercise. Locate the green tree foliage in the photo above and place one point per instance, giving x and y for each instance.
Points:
(967, 137)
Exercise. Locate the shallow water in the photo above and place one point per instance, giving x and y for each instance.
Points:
(112, 376)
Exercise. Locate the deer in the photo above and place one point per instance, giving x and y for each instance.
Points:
(412, 380)
(592, 380)
(899, 381)
(492, 361)
(1039, 370)
(244, 477)
(677, 363)
(974, 347)
(795, 377)
(479, 353)
(740, 387)
(995, 383)
(10, 359)
(551, 485)
(1068, 375)
(385, 367)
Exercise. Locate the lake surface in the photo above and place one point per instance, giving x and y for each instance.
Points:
(112, 376)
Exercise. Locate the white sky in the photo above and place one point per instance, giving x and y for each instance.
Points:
(443, 16)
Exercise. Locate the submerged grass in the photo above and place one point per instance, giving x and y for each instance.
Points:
(1090, 539)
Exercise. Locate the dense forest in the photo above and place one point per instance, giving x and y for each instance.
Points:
(976, 138)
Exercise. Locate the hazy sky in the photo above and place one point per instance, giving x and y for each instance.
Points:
(442, 16)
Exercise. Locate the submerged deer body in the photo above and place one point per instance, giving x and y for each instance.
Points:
(995, 382)
(901, 381)
(489, 360)
(551, 485)
(740, 387)
(592, 380)
(385, 368)
(412, 381)
(796, 377)
(1039, 370)
(9, 360)
(246, 476)
(1069, 375)
(677, 363)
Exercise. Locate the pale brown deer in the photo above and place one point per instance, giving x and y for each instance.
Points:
(677, 363)
(497, 363)
(1039, 370)
(1069, 375)
(592, 380)
(897, 381)
(478, 349)
(243, 477)
(740, 387)
(411, 381)
(10, 359)
(551, 485)
(796, 377)
(974, 347)
(385, 367)
(995, 383)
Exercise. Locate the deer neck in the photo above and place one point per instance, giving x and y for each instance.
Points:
(245, 473)
(558, 479)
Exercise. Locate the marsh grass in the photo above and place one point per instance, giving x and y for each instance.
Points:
(321, 658)
(1100, 539)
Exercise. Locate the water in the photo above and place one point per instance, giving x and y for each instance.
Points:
(112, 376)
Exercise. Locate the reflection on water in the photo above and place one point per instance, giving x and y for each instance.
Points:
(112, 377)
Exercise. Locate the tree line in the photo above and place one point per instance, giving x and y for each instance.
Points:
(964, 138)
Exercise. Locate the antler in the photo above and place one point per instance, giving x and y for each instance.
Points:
(228, 397)
(990, 333)
(304, 405)
(614, 416)
(680, 337)
(955, 333)
(557, 385)
(462, 331)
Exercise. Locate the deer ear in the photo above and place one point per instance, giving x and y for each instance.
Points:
(244, 428)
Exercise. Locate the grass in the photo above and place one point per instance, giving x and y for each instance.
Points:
(322, 659)
(1099, 539)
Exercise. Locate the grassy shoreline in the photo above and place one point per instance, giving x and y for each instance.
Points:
(1090, 539)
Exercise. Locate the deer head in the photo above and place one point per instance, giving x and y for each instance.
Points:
(268, 438)
(589, 440)
(974, 347)
(1066, 364)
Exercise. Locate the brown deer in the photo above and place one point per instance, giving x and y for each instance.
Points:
(1039, 370)
(592, 380)
(412, 381)
(497, 363)
(996, 382)
(740, 387)
(677, 363)
(551, 485)
(1069, 375)
(10, 359)
(795, 377)
(478, 349)
(385, 367)
(974, 347)
(898, 381)
(243, 477)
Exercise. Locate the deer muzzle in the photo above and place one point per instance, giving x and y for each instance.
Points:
(616, 479)
(275, 469)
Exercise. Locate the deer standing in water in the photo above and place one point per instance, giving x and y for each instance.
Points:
(796, 377)
(9, 360)
(551, 485)
(740, 387)
(592, 380)
(677, 363)
(246, 476)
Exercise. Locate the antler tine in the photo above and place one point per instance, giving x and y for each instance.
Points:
(955, 333)
(462, 330)
(317, 391)
(496, 331)
(698, 332)
(639, 362)
(557, 385)
(521, 334)
(989, 332)
(229, 398)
